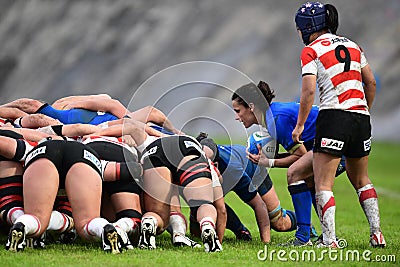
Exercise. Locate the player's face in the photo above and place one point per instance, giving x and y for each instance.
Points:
(243, 114)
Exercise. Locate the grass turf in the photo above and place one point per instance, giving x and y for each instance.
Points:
(351, 225)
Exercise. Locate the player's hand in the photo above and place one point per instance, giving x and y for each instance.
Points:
(259, 158)
(296, 134)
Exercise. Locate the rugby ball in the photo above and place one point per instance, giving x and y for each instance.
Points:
(268, 144)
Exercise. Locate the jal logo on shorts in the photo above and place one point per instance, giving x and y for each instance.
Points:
(38, 151)
(331, 143)
(367, 145)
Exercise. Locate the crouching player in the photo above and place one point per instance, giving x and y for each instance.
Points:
(172, 160)
(76, 168)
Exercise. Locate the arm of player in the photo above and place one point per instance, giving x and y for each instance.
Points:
(152, 114)
(222, 216)
(309, 83)
(369, 85)
(112, 106)
(283, 161)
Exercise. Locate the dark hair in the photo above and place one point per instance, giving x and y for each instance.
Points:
(332, 18)
(204, 140)
(250, 93)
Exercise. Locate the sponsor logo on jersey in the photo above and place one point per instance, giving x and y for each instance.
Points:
(331, 143)
(36, 152)
(339, 40)
(151, 151)
(92, 158)
(367, 145)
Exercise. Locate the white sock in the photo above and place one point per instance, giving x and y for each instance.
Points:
(58, 222)
(205, 221)
(177, 222)
(13, 214)
(129, 225)
(94, 229)
(369, 203)
(31, 222)
(326, 211)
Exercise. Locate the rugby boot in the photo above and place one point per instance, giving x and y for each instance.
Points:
(209, 238)
(147, 234)
(16, 238)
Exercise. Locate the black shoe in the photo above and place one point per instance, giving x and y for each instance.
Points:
(210, 239)
(147, 238)
(244, 235)
(114, 240)
(68, 237)
(36, 242)
(16, 238)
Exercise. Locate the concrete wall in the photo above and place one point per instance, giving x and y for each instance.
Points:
(51, 49)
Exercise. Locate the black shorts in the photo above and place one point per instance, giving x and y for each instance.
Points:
(64, 154)
(343, 133)
(110, 150)
(169, 152)
(121, 187)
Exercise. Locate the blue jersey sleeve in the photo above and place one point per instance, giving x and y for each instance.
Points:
(283, 125)
(68, 116)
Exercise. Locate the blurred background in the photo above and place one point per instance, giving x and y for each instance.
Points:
(51, 49)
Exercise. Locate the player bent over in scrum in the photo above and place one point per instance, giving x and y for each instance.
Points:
(75, 167)
(178, 160)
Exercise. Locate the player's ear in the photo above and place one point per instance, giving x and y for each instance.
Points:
(251, 105)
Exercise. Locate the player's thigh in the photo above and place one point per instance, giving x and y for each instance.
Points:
(40, 186)
(301, 169)
(199, 189)
(271, 199)
(125, 200)
(157, 191)
(83, 186)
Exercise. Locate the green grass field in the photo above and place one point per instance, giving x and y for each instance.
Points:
(351, 225)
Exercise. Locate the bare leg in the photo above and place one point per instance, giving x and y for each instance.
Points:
(84, 194)
(356, 169)
(325, 166)
(40, 192)
(157, 195)
(278, 222)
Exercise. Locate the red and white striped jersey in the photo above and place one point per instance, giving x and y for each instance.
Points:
(337, 63)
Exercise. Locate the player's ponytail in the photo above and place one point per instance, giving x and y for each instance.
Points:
(266, 91)
(332, 18)
(261, 95)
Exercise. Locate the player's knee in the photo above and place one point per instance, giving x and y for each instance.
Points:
(292, 175)
(282, 220)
